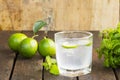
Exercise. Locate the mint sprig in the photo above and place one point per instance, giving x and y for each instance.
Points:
(50, 64)
(110, 47)
(54, 69)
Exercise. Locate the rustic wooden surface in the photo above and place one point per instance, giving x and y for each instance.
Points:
(48, 76)
(6, 56)
(28, 69)
(67, 14)
(117, 71)
(31, 69)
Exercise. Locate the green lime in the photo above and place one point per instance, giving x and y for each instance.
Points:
(46, 47)
(15, 40)
(28, 47)
(69, 45)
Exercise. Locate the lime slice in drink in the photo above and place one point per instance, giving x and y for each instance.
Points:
(85, 43)
(69, 45)
(89, 43)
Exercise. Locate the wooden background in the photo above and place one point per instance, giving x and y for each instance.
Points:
(66, 14)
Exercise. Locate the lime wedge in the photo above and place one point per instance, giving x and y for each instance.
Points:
(69, 45)
(89, 44)
(85, 43)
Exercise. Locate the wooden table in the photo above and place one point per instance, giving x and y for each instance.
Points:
(13, 67)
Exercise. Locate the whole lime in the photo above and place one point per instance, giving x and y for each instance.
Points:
(46, 47)
(28, 48)
(15, 40)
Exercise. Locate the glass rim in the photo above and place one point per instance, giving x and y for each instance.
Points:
(87, 32)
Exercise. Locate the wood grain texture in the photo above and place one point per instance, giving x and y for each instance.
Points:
(66, 14)
(5, 21)
(48, 76)
(28, 69)
(73, 14)
(6, 56)
(117, 72)
(105, 14)
(31, 11)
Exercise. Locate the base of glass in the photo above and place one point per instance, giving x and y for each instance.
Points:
(74, 73)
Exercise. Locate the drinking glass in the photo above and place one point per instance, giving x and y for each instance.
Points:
(74, 52)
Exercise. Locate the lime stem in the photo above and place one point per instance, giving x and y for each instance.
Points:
(34, 36)
(46, 33)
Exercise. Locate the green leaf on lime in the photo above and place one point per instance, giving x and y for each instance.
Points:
(38, 25)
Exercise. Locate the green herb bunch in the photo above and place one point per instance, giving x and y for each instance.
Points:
(110, 47)
(50, 64)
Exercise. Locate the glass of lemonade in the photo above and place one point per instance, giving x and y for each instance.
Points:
(74, 52)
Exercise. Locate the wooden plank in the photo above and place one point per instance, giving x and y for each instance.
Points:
(6, 56)
(105, 14)
(48, 76)
(86, 15)
(14, 13)
(31, 12)
(117, 73)
(28, 69)
(67, 14)
(99, 72)
(73, 15)
(5, 21)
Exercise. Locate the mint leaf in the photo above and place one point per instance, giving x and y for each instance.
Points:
(50, 64)
(54, 61)
(54, 70)
(46, 66)
(38, 25)
(48, 60)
